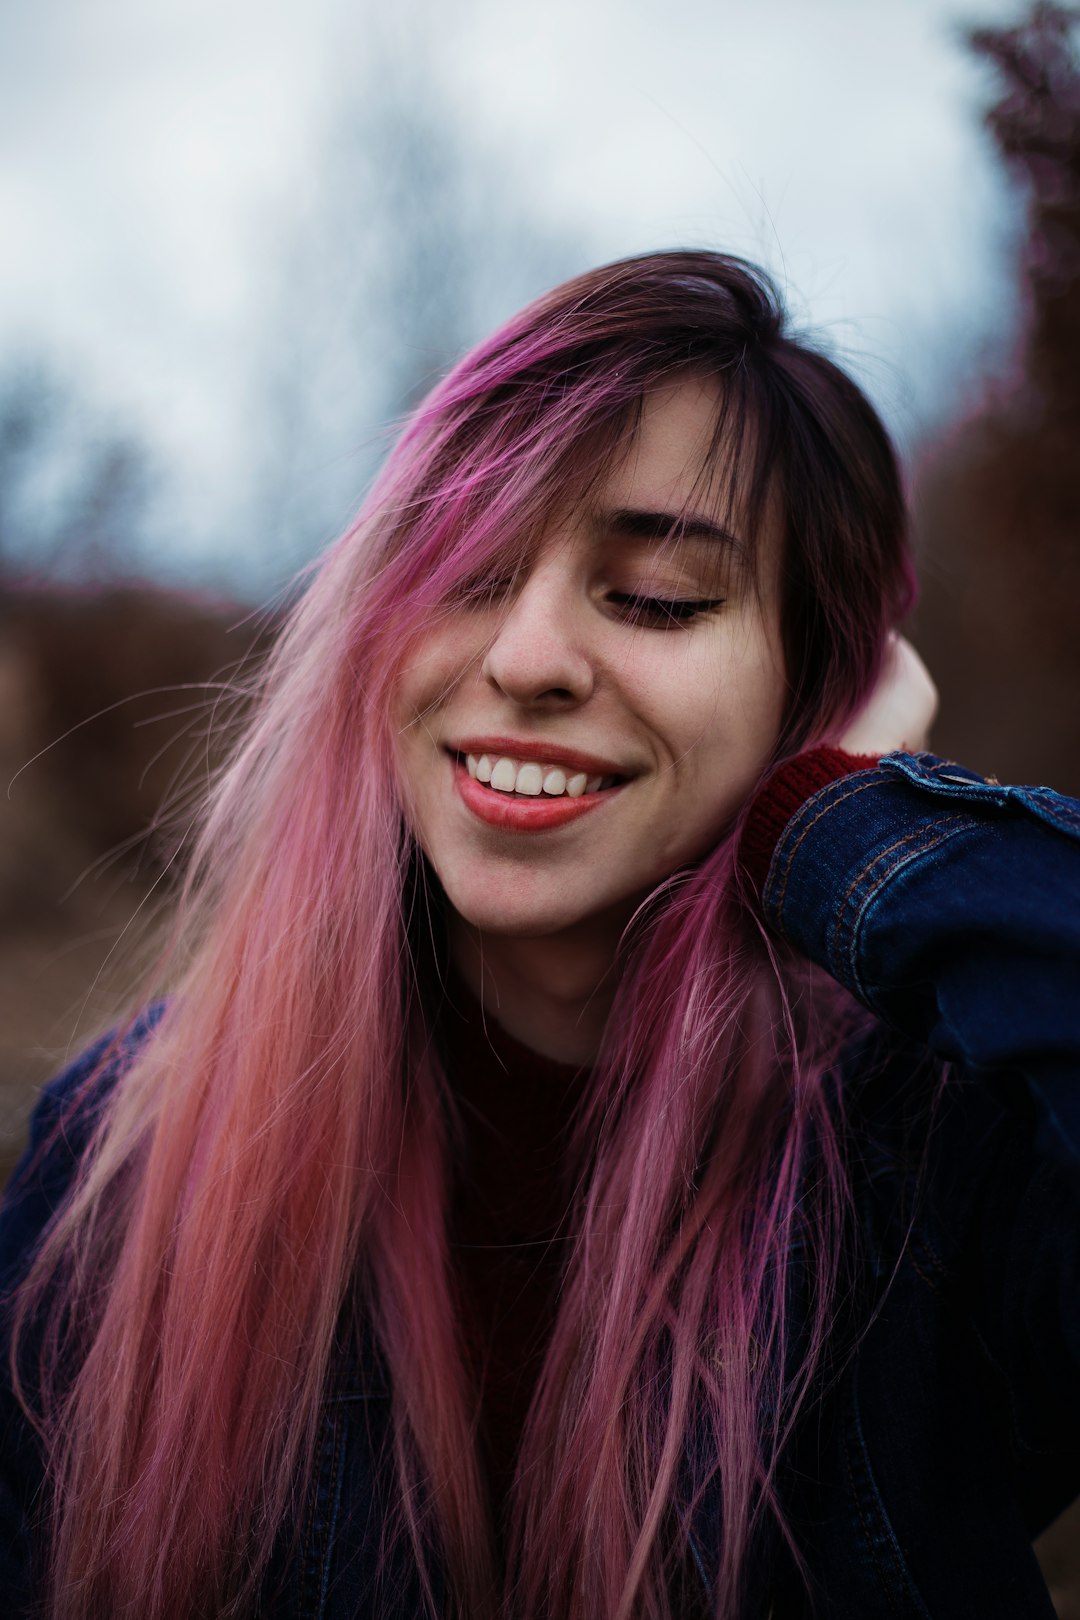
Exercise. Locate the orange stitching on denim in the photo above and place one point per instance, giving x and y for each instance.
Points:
(922, 843)
(834, 799)
(1054, 812)
(943, 831)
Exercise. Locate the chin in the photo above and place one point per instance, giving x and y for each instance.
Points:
(537, 915)
(517, 922)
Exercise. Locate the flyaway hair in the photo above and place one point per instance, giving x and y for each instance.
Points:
(268, 1180)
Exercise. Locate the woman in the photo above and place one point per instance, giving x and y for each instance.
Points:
(502, 1216)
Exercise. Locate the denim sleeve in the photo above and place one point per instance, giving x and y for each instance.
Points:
(950, 905)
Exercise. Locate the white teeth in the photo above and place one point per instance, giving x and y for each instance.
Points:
(504, 775)
(530, 780)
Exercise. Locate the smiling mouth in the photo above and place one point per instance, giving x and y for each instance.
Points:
(530, 779)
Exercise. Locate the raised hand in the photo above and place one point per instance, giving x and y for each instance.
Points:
(901, 708)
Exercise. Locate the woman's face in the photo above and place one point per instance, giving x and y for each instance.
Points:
(569, 675)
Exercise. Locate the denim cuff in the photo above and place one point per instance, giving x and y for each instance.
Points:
(906, 846)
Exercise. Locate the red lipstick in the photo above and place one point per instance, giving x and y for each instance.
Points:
(519, 814)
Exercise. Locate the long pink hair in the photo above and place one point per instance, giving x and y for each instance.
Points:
(272, 1170)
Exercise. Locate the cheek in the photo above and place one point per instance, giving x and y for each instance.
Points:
(420, 680)
(727, 700)
(725, 717)
(431, 673)
(414, 716)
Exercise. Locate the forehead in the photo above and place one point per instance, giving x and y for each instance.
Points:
(671, 457)
(682, 467)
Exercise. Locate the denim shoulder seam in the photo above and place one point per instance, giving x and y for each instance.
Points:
(925, 773)
(1052, 808)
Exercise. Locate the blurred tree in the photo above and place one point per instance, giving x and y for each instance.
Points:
(1036, 125)
(998, 501)
(411, 241)
(73, 497)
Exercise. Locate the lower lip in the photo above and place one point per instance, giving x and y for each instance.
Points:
(514, 814)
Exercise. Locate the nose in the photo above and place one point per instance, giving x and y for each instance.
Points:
(539, 655)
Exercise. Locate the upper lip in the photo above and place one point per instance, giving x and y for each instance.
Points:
(542, 752)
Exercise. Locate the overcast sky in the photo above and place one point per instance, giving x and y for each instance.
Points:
(155, 156)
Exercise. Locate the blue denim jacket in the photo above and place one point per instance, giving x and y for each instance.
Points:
(951, 907)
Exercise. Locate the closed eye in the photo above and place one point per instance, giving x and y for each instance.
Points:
(662, 612)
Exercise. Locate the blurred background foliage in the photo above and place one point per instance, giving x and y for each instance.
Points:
(997, 494)
(408, 243)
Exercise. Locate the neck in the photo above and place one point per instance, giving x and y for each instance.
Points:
(552, 993)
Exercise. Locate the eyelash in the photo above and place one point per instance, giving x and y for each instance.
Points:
(648, 612)
(661, 612)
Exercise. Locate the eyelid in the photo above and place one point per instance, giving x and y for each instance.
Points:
(668, 612)
(641, 607)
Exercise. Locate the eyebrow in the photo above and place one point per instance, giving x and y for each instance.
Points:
(638, 524)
